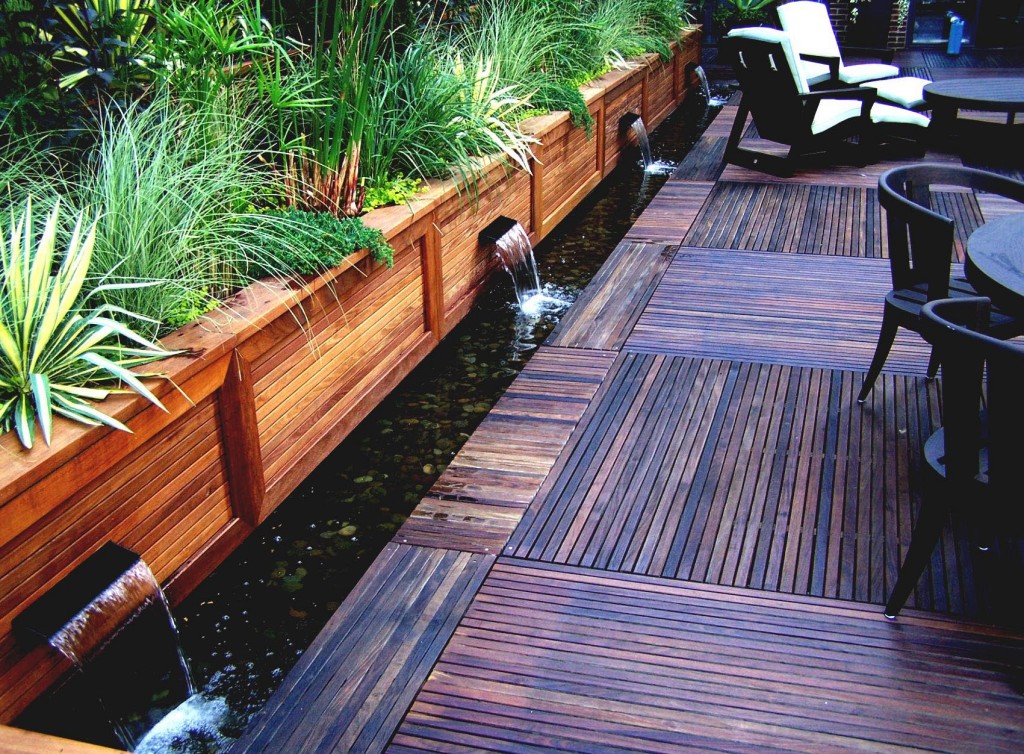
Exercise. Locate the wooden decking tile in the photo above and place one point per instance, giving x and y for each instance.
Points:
(572, 660)
(352, 686)
(481, 496)
(604, 314)
(777, 308)
(832, 220)
(750, 475)
(668, 217)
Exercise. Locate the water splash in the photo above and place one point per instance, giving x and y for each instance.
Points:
(515, 252)
(196, 725)
(704, 88)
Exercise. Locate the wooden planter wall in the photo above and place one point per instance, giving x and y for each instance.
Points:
(274, 384)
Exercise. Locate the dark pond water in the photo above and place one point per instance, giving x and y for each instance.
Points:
(246, 625)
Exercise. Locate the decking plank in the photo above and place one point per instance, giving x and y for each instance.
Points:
(668, 217)
(835, 220)
(752, 475)
(603, 316)
(774, 308)
(570, 659)
(479, 499)
(354, 683)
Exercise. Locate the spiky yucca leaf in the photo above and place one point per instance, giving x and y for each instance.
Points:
(54, 357)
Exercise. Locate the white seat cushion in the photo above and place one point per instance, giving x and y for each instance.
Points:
(858, 74)
(807, 22)
(889, 114)
(906, 91)
(832, 112)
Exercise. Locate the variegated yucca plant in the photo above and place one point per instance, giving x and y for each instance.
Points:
(56, 357)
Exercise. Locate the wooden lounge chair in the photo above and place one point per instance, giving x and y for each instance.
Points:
(821, 61)
(973, 460)
(786, 111)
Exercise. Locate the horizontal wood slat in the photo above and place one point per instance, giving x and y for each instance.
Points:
(16, 741)
(563, 659)
(481, 496)
(352, 686)
(777, 308)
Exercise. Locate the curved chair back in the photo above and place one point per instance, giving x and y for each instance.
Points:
(957, 329)
(921, 240)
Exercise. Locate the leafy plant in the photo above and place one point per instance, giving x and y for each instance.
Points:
(748, 6)
(734, 13)
(523, 39)
(58, 358)
(319, 241)
(102, 41)
(326, 177)
(205, 44)
(397, 190)
(27, 97)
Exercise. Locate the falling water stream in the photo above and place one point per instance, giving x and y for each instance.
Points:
(247, 624)
(515, 252)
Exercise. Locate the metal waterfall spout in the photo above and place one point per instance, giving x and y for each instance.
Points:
(111, 620)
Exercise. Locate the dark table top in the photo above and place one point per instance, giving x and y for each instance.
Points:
(994, 94)
(995, 261)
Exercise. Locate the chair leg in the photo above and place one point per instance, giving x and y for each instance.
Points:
(933, 365)
(736, 133)
(885, 340)
(922, 544)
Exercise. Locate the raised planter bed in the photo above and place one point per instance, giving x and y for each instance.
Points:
(275, 381)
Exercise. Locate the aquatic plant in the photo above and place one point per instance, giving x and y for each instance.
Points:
(325, 176)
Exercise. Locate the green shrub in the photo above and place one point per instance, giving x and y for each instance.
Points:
(397, 190)
(176, 191)
(317, 242)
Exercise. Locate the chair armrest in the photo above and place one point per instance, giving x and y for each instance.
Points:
(884, 56)
(830, 60)
(867, 94)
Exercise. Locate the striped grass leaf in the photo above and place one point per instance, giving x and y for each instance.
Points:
(56, 357)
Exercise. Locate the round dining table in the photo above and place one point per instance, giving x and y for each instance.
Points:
(995, 262)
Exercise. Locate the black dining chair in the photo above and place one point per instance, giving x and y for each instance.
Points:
(973, 460)
(921, 252)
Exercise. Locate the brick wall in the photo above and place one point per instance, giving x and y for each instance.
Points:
(839, 12)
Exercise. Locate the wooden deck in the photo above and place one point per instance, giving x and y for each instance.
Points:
(676, 530)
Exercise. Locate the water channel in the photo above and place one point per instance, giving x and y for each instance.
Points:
(248, 623)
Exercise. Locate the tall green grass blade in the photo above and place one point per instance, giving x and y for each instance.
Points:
(40, 385)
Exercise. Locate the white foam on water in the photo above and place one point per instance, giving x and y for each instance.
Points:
(660, 167)
(198, 719)
(541, 302)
